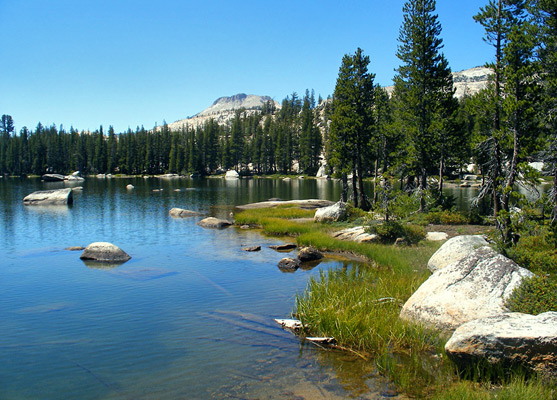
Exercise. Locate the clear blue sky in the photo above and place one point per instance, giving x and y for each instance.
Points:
(84, 63)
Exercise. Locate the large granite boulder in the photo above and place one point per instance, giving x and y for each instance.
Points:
(182, 213)
(333, 213)
(474, 287)
(455, 249)
(214, 223)
(104, 252)
(506, 340)
(49, 197)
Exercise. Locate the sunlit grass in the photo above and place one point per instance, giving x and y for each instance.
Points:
(360, 307)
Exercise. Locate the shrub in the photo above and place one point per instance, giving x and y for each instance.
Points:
(390, 231)
(535, 295)
(446, 217)
(535, 252)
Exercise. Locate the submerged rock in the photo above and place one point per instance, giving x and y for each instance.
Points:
(474, 287)
(181, 213)
(252, 248)
(455, 249)
(49, 197)
(104, 252)
(214, 223)
(506, 340)
(53, 178)
(283, 247)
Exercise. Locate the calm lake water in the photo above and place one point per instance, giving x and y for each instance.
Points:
(188, 317)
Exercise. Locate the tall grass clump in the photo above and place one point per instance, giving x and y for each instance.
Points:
(359, 307)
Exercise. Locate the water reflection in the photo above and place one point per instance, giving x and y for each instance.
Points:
(101, 264)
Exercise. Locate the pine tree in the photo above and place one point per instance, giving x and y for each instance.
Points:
(513, 95)
(545, 12)
(423, 86)
(352, 124)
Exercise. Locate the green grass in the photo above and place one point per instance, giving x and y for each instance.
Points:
(276, 220)
(346, 304)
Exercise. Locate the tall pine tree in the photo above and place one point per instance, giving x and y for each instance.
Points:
(423, 87)
(352, 123)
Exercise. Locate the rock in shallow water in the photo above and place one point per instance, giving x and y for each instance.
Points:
(289, 264)
(283, 247)
(49, 197)
(182, 213)
(104, 252)
(214, 223)
(251, 248)
(309, 254)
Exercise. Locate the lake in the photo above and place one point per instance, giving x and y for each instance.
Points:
(190, 316)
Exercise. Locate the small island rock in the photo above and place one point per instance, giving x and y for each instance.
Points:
(105, 252)
(49, 197)
(214, 223)
(289, 264)
(508, 339)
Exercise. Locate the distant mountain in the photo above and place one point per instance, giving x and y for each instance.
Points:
(470, 81)
(224, 109)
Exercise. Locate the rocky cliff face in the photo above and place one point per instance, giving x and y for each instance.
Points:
(471, 81)
(467, 82)
(224, 109)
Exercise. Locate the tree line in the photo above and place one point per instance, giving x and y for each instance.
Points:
(417, 132)
(268, 141)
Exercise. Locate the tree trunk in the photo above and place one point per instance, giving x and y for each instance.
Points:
(355, 187)
(422, 186)
(375, 182)
(344, 193)
(441, 168)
